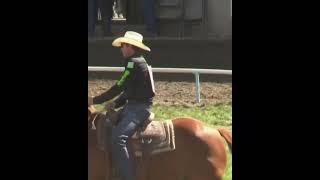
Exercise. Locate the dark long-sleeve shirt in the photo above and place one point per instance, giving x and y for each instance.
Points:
(135, 84)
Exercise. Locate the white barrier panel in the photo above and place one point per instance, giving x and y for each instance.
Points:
(166, 70)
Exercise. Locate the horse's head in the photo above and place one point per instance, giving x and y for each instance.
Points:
(98, 162)
(112, 117)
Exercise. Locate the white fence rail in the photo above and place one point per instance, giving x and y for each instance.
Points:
(196, 72)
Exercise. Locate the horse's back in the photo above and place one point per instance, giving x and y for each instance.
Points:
(194, 127)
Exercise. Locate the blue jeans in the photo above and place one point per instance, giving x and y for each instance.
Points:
(92, 16)
(105, 7)
(132, 116)
(106, 14)
(149, 15)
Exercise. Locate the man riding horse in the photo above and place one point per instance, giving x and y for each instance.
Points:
(136, 91)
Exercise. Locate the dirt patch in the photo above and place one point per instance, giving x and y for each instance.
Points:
(176, 93)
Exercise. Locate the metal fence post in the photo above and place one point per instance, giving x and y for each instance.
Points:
(197, 86)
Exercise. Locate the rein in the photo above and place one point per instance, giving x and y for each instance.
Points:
(93, 126)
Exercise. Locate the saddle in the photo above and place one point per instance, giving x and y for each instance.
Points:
(152, 137)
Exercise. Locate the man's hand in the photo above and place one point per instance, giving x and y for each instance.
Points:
(110, 106)
(90, 100)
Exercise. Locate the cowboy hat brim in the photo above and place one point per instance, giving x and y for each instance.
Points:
(117, 43)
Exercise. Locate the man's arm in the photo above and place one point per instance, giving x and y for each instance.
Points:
(121, 100)
(106, 96)
(116, 89)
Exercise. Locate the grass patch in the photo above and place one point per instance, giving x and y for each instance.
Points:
(213, 115)
(228, 171)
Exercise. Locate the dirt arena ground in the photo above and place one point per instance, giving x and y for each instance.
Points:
(176, 93)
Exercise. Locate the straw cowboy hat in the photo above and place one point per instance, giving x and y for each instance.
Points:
(132, 38)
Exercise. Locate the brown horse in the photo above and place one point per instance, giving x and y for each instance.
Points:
(200, 154)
